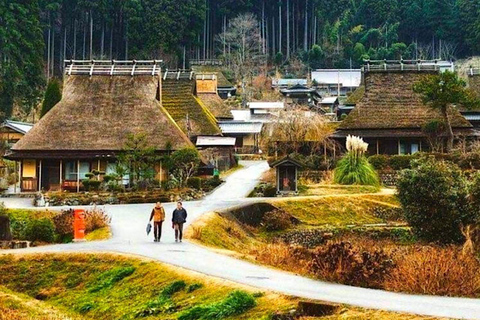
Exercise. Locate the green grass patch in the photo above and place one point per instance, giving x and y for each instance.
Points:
(335, 189)
(115, 287)
(99, 234)
(236, 303)
(107, 279)
(335, 211)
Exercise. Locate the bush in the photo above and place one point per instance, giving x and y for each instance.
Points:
(360, 172)
(342, 262)
(276, 220)
(353, 167)
(400, 162)
(436, 271)
(40, 230)
(96, 219)
(434, 198)
(195, 183)
(64, 223)
(379, 161)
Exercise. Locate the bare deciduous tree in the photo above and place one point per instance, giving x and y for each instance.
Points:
(296, 129)
(244, 39)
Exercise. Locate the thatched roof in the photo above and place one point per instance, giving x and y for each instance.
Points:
(99, 112)
(389, 102)
(216, 105)
(181, 104)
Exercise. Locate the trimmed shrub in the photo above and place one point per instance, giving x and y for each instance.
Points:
(434, 197)
(400, 162)
(40, 230)
(343, 262)
(195, 183)
(276, 220)
(379, 161)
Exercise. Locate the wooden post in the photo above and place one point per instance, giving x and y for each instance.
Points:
(40, 177)
(78, 175)
(399, 147)
(15, 175)
(378, 148)
(61, 174)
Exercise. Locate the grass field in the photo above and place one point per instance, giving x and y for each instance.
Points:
(93, 286)
(116, 287)
(335, 210)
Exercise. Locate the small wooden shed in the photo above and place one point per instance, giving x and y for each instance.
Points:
(287, 175)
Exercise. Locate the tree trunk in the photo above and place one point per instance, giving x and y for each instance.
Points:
(288, 29)
(450, 136)
(74, 39)
(279, 26)
(305, 34)
(91, 35)
(5, 233)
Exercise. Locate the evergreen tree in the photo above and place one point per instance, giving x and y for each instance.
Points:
(21, 55)
(53, 95)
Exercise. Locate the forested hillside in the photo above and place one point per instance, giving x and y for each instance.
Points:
(37, 35)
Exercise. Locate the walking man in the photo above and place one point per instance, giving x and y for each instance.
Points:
(179, 217)
(158, 216)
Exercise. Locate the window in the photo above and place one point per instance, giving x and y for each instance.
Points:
(408, 147)
(71, 170)
(84, 169)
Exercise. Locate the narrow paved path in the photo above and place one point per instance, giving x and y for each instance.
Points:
(128, 225)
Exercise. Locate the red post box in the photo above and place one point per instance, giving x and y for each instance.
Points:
(79, 225)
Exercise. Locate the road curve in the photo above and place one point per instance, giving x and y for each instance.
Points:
(128, 228)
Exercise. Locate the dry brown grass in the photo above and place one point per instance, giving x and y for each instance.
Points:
(437, 271)
(196, 233)
(279, 255)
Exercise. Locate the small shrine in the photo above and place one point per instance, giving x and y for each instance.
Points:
(287, 175)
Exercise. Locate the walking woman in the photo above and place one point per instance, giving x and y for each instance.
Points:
(158, 216)
(179, 217)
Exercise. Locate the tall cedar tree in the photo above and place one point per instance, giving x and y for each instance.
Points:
(53, 95)
(21, 55)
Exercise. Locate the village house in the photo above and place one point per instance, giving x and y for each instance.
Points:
(336, 82)
(102, 104)
(12, 131)
(301, 95)
(390, 115)
(286, 83)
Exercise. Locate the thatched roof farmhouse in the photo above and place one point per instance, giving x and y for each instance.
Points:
(102, 104)
(390, 115)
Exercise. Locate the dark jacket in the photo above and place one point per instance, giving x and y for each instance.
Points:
(179, 216)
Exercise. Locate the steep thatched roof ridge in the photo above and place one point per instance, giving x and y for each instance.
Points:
(99, 112)
(389, 102)
(179, 101)
(216, 105)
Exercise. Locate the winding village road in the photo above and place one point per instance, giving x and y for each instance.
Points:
(128, 228)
